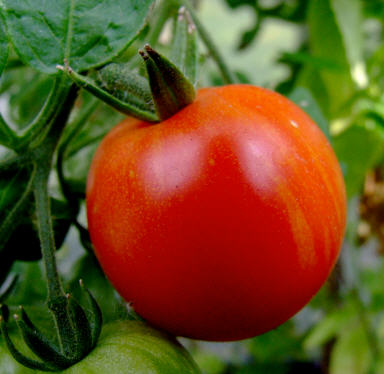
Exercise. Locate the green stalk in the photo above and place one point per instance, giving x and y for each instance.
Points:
(57, 299)
(227, 74)
(44, 222)
(43, 161)
(163, 13)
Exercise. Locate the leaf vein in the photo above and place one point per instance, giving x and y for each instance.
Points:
(69, 30)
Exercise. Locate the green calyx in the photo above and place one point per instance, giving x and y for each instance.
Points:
(167, 87)
(79, 331)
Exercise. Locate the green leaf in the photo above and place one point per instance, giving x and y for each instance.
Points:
(328, 41)
(359, 148)
(303, 97)
(22, 109)
(4, 47)
(14, 199)
(86, 33)
(31, 289)
(278, 345)
(329, 327)
(82, 147)
(348, 15)
(24, 243)
(351, 353)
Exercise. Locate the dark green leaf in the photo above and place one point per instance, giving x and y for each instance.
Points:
(14, 200)
(237, 3)
(31, 288)
(24, 243)
(277, 345)
(86, 33)
(28, 99)
(4, 47)
(81, 149)
(7, 287)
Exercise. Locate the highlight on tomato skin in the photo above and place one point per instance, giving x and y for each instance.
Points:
(223, 221)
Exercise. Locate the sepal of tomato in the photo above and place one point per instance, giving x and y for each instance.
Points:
(223, 221)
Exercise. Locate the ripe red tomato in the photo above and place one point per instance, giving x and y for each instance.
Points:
(223, 221)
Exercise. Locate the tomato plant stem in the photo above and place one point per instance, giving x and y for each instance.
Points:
(43, 159)
(226, 73)
(44, 222)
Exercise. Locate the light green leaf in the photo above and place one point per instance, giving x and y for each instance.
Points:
(348, 15)
(86, 33)
(184, 46)
(328, 328)
(330, 40)
(351, 353)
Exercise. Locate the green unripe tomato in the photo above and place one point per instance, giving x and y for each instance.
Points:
(132, 347)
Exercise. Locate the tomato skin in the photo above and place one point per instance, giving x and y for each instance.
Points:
(221, 222)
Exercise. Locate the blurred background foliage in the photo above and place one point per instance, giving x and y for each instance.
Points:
(328, 57)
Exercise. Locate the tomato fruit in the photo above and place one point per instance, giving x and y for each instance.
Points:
(8, 365)
(132, 347)
(223, 221)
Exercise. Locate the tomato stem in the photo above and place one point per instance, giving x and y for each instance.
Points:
(162, 14)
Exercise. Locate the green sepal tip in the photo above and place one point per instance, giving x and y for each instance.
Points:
(171, 89)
